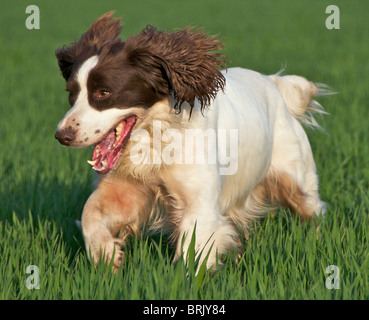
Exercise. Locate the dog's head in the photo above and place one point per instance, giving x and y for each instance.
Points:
(110, 82)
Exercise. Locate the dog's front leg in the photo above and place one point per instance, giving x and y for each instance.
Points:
(113, 211)
(198, 209)
(99, 240)
(214, 236)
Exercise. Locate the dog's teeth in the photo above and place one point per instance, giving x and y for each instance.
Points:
(92, 163)
(118, 132)
(104, 163)
(118, 129)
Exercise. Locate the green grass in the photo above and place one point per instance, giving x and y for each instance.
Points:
(43, 186)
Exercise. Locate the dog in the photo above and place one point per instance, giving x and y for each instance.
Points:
(137, 100)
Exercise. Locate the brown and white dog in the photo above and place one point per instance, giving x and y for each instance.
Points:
(144, 102)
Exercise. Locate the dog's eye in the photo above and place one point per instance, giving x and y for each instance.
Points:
(100, 94)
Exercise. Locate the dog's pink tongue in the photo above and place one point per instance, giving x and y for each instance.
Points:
(103, 147)
(101, 152)
(107, 152)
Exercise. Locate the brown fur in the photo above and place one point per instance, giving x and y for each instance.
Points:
(280, 189)
(148, 67)
(128, 201)
(181, 62)
(104, 31)
(277, 189)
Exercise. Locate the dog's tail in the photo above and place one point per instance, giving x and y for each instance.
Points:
(298, 93)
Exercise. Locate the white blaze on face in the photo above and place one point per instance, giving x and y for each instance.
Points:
(90, 124)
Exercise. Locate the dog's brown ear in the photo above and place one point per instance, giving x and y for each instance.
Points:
(181, 62)
(66, 58)
(104, 31)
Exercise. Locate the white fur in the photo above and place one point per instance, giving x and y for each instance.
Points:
(269, 138)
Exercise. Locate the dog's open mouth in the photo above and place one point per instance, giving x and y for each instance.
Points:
(107, 152)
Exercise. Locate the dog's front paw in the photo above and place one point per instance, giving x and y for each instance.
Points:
(118, 255)
(110, 253)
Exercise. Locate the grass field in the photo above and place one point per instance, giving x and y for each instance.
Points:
(43, 186)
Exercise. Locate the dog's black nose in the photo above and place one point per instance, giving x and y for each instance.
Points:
(66, 136)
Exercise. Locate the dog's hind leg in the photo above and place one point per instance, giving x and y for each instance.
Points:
(293, 164)
(283, 190)
(292, 181)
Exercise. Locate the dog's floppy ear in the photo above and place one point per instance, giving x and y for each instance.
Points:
(104, 31)
(66, 57)
(181, 62)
